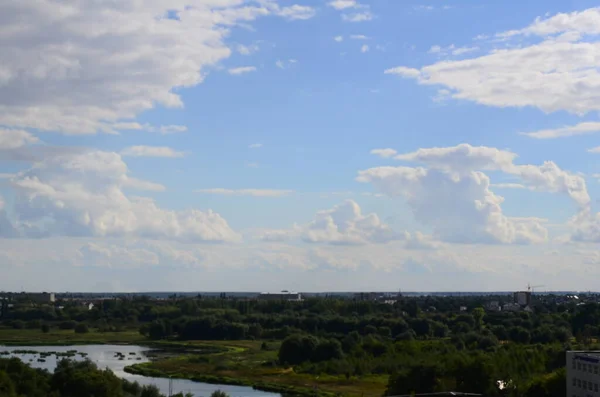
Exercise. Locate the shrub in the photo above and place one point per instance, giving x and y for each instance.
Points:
(67, 325)
(45, 328)
(81, 328)
(18, 324)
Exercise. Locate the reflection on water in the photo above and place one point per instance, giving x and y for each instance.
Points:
(116, 358)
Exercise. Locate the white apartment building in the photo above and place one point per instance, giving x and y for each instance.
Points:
(283, 295)
(583, 373)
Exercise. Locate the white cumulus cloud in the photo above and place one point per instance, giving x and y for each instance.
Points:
(552, 75)
(82, 195)
(151, 151)
(76, 67)
(385, 153)
(343, 224)
(585, 128)
(459, 208)
(343, 4)
(242, 70)
(247, 192)
(13, 139)
(358, 16)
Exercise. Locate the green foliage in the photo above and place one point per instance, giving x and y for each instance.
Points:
(45, 328)
(352, 339)
(81, 328)
(551, 385)
(18, 324)
(70, 379)
(297, 349)
(67, 324)
(219, 393)
(7, 387)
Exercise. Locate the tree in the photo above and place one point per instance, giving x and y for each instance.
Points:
(519, 335)
(157, 330)
(255, 330)
(420, 378)
(150, 391)
(18, 324)
(478, 314)
(475, 375)
(7, 388)
(45, 328)
(552, 385)
(297, 349)
(81, 328)
(75, 379)
(329, 349)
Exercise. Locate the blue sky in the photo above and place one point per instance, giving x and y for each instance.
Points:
(237, 137)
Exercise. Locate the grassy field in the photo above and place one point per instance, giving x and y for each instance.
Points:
(35, 337)
(244, 363)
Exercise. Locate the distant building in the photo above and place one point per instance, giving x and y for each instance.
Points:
(39, 297)
(283, 295)
(511, 307)
(522, 298)
(583, 378)
(493, 306)
(367, 296)
(463, 308)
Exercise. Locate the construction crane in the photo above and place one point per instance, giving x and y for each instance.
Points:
(530, 288)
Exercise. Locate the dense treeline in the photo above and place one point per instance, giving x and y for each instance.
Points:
(427, 317)
(424, 344)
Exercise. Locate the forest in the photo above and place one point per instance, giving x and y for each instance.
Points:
(415, 344)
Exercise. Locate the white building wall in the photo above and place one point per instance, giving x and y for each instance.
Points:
(583, 374)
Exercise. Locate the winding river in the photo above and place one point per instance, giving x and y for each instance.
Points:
(116, 358)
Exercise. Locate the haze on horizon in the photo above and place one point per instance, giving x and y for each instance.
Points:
(308, 145)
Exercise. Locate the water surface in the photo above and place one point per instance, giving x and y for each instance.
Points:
(105, 356)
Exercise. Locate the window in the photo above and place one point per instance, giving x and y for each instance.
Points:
(574, 382)
(596, 387)
(584, 367)
(578, 382)
(584, 385)
(590, 386)
(574, 365)
(596, 369)
(578, 365)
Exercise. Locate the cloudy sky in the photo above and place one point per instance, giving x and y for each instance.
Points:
(260, 145)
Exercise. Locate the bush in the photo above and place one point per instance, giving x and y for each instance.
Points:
(297, 349)
(45, 328)
(18, 324)
(67, 325)
(81, 328)
(34, 324)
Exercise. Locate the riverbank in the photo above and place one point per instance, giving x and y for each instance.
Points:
(237, 363)
(247, 363)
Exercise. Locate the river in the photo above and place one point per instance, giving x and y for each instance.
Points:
(108, 356)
